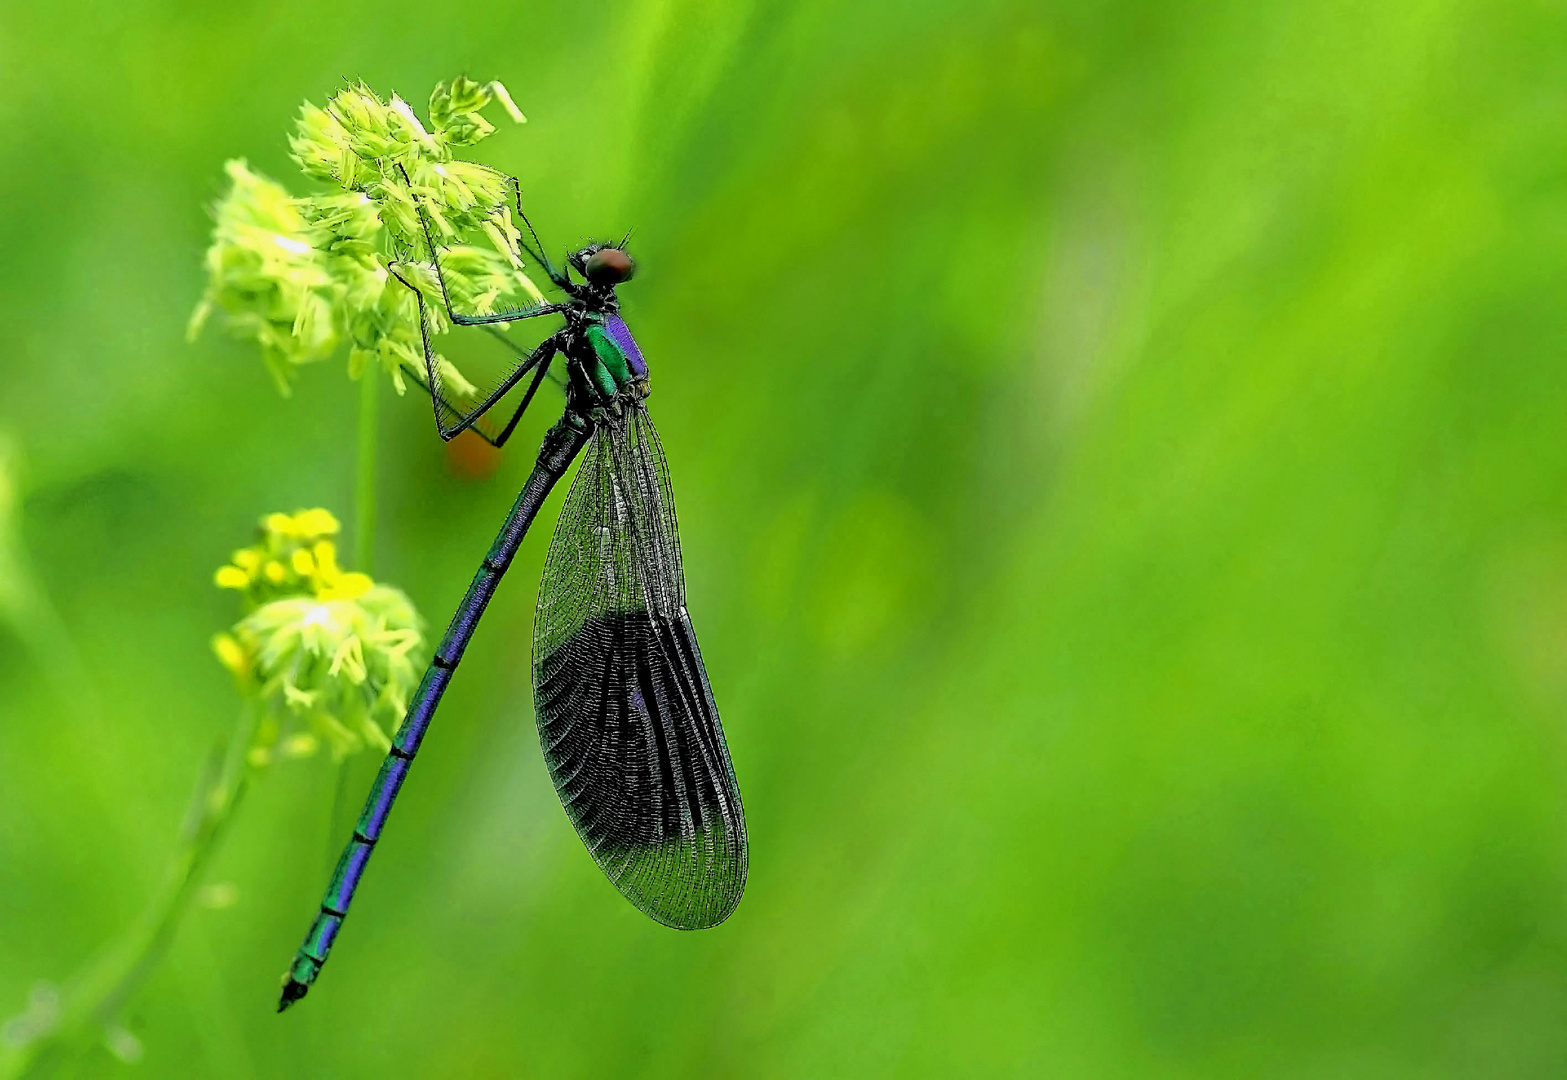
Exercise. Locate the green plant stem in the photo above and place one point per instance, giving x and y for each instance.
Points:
(91, 1002)
(364, 485)
(364, 560)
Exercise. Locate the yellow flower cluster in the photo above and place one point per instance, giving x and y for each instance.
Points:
(328, 655)
(293, 557)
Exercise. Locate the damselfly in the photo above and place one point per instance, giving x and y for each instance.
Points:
(626, 718)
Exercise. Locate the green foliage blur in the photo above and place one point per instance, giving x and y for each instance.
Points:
(1122, 465)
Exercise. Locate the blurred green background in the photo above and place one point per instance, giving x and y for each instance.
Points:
(1120, 457)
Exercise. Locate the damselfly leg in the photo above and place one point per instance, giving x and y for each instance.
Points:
(468, 404)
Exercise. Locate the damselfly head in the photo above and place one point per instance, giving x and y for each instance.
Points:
(605, 266)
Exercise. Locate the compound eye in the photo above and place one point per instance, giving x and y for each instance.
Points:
(608, 266)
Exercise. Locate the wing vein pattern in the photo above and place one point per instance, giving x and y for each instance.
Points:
(627, 721)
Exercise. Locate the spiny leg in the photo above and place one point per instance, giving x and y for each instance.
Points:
(537, 251)
(457, 317)
(469, 418)
(540, 358)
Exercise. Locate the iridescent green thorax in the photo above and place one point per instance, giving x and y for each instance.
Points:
(619, 359)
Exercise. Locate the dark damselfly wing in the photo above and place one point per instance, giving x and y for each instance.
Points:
(485, 370)
(626, 719)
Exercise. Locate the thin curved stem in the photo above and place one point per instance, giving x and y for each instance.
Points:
(364, 482)
(364, 560)
(85, 1012)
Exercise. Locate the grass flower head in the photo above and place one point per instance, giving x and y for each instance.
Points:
(302, 275)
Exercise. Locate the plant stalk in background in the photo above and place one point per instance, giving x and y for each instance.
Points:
(322, 658)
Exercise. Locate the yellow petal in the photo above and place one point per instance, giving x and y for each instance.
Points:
(317, 522)
(349, 586)
(326, 558)
(231, 577)
(275, 572)
(230, 655)
(304, 565)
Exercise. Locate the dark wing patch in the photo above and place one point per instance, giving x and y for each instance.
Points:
(627, 721)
